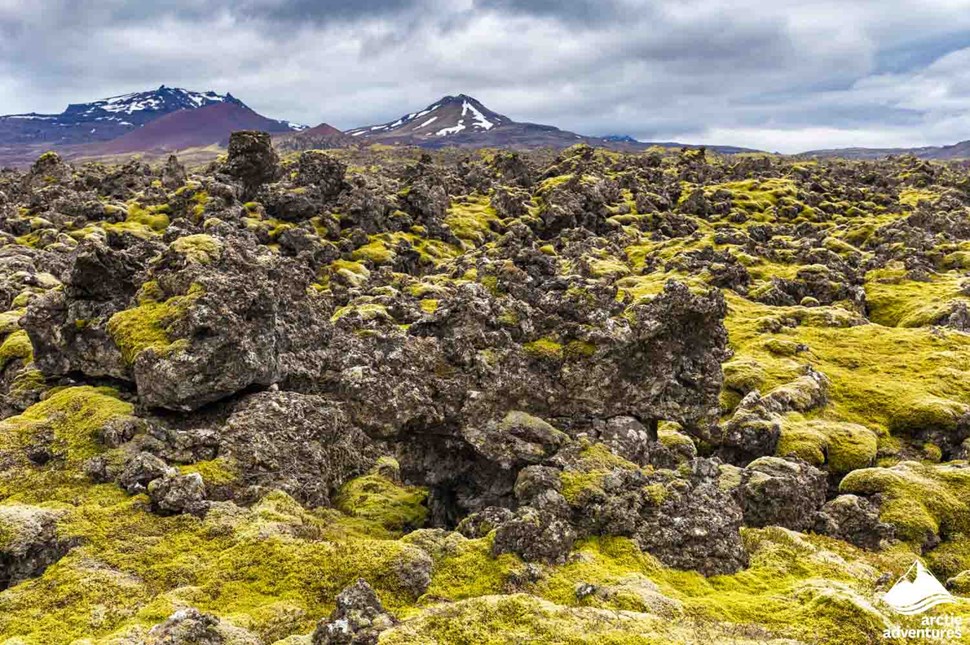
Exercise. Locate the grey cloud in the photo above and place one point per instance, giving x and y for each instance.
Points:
(660, 69)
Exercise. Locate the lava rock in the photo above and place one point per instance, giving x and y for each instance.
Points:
(854, 519)
(782, 492)
(252, 160)
(175, 494)
(358, 619)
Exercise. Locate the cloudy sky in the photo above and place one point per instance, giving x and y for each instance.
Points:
(781, 75)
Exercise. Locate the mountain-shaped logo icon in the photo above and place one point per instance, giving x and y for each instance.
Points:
(917, 591)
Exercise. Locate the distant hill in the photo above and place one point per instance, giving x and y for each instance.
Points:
(202, 126)
(321, 137)
(956, 151)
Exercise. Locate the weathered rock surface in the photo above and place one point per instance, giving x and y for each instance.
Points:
(358, 619)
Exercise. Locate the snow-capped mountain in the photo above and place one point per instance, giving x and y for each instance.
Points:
(109, 118)
(450, 116)
(463, 121)
(140, 107)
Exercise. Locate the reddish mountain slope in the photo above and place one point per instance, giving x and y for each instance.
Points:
(320, 137)
(191, 128)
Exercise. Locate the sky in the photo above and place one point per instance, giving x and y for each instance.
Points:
(783, 75)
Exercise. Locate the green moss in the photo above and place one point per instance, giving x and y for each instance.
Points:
(28, 380)
(154, 218)
(199, 201)
(842, 446)
(898, 302)
(464, 568)
(146, 327)
(390, 505)
(16, 346)
(579, 349)
(921, 500)
(72, 415)
(743, 375)
(216, 472)
(913, 196)
(367, 311)
(546, 348)
(471, 220)
(274, 570)
(10, 321)
(519, 618)
(428, 305)
(608, 267)
(198, 249)
(800, 587)
(375, 252)
(871, 382)
(756, 195)
(586, 474)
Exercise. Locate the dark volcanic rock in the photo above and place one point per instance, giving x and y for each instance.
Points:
(28, 543)
(252, 160)
(781, 492)
(853, 519)
(304, 445)
(173, 494)
(358, 619)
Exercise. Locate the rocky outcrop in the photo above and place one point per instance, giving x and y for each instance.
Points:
(28, 543)
(358, 619)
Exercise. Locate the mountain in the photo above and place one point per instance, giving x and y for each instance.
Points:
(191, 128)
(619, 138)
(463, 121)
(104, 119)
(956, 151)
(451, 116)
(320, 137)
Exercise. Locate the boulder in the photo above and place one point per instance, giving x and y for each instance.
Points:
(782, 492)
(358, 619)
(174, 494)
(252, 160)
(28, 543)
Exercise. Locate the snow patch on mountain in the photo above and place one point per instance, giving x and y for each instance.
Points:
(480, 120)
(443, 132)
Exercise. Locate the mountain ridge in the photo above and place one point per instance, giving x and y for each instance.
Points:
(104, 119)
(461, 120)
(959, 150)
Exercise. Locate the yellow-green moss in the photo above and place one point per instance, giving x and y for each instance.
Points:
(375, 251)
(375, 498)
(16, 346)
(586, 475)
(842, 446)
(73, 415)
(198, 249)
(367, 311)
(146, 327)
(545, 348)
(896, 301)
(153, 217)
(217, 472)
(579, 349)
(920, 500)
(471, 220)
